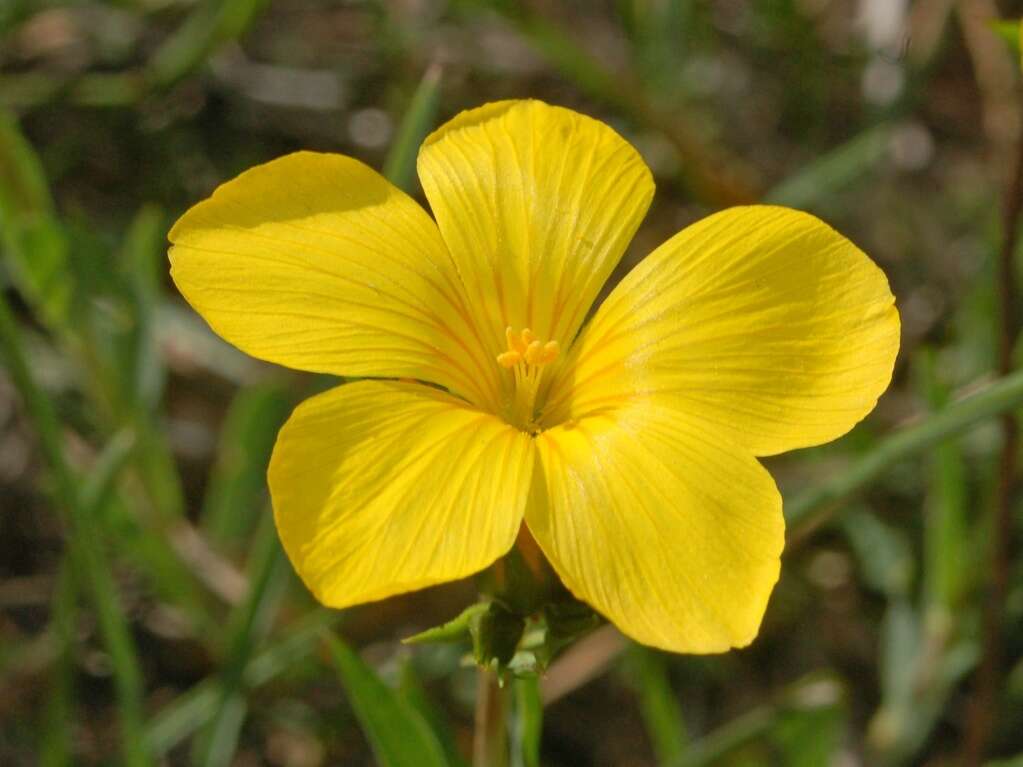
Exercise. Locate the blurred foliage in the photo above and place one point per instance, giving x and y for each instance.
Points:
(147, 613)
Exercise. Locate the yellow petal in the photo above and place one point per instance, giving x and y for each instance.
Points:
(536, 204)
(316, 262)
(672, 535)
(760, 322)
(381, 487)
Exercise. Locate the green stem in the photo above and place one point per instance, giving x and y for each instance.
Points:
(84, 546)
(810, 508)
(490, 737)
(527, 723)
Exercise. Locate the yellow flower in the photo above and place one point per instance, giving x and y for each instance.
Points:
(627, 444)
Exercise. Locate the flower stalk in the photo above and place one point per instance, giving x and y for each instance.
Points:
(490, 735)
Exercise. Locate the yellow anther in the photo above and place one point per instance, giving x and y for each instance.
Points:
(533, 352)
(525, 358)
(550, 352)
(509, 359)
(514, 341)
(524, 347)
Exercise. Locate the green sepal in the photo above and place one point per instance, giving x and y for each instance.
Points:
(566, 623)
(492, 628)
(454, 630)
(495, 636)
(509, 642)
(556, 627)
(513, 583)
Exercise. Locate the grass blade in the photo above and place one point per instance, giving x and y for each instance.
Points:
(810, 507)
(190, 711)
(237, 485)
(411, 690)
(211, 23)
(56, 748)
(946, 528)
(35, 243)
(658, 704)
(400, 737)
(85, 546)
(420, 117)
(806, 697)
(842, 166)
(144, 261)
(102, 478)
(250, 621)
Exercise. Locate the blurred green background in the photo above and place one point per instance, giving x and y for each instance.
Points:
(147, 614)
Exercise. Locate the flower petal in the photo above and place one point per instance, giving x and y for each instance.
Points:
(536, 204)
(672, 535)
(382, 487)
(761, 322)
(317, 262)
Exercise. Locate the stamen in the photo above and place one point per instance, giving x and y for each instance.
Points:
(533, 353)
(509, 359)
(550, 352)
(526, 357)
(515, 343)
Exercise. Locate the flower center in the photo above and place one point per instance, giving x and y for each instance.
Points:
(526, 357)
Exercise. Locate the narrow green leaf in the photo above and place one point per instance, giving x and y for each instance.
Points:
(663, 34)
(144, 250)
(895, 726)
(419, 118)
(35, 243)
(84, 545)
(412, 692)
(812, 694)
(152, 555)
(946, 526)
(154, 461)
(221, 741)
(662, 715)
(885, 557)
(812, 506)
(237, 486)
(211, 23)
(56, 748)
(833, 171)
(144, 264)
(398, 734)
(105, 471)
(191, 710)
(900, 644)
(23, 187)
(248, 623)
